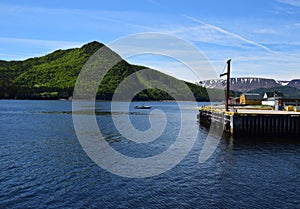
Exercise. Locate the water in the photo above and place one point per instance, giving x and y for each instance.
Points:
(42, 165)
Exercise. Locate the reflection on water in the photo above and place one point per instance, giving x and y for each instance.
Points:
(43, 165)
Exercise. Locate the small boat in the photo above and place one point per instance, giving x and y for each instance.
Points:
(142, 107)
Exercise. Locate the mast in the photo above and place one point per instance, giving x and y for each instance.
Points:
(227, 84)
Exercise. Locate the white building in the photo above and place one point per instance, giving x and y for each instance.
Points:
(270, 98)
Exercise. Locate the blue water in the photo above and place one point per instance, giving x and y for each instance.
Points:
(42, 165)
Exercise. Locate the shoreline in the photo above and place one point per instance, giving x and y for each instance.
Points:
(100, 100)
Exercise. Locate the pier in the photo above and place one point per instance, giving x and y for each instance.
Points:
(249, 119)
(252, 122)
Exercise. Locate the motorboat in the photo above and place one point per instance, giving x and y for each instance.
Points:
(142, 107)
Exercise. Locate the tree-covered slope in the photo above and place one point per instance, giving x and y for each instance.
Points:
(55, 72)
(54, 76)
(288, 91)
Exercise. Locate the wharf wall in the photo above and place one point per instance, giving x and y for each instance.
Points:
(253, 123)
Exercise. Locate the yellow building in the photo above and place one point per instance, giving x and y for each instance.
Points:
(250, 99)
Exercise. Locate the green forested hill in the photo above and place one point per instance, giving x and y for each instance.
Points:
(288, 91)
(53, 76)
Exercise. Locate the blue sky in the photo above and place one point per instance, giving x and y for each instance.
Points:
(261, 37)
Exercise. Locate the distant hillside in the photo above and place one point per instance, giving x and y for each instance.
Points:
(288, 91)
(294, 83)
(248, 84)
(54, 75)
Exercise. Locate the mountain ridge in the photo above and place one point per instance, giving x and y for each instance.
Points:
(244, 84)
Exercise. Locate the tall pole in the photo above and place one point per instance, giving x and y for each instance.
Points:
(227, 84)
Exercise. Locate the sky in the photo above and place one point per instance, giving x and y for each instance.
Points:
(261, 37)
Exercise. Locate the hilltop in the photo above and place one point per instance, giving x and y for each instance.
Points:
(53, 76)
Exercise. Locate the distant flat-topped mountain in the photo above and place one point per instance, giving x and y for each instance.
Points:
(246, 84)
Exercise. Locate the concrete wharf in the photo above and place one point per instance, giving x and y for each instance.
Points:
(251, 121)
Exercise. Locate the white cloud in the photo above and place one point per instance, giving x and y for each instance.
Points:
(295, 3)
(278, 65)
(164, 52)
(229, 34)
(37, 47)
(42, 43)
(265, 31)
(96, 17)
